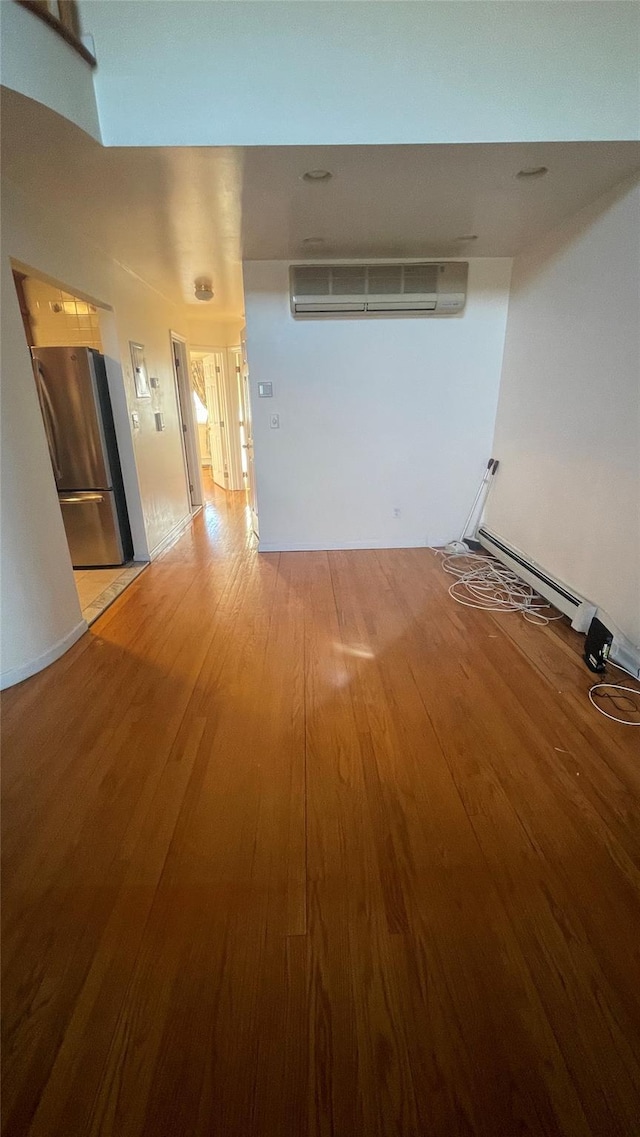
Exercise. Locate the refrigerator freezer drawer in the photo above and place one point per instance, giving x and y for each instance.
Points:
(91, 524)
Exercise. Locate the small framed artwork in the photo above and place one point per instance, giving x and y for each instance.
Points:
(140, 373)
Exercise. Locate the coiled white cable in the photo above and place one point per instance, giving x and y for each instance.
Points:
(484, 582)
(634, 709)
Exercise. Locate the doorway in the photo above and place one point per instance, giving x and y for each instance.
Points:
(218, 413)
(223, 410)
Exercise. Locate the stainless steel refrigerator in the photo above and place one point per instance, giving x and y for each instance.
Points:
(76, 408)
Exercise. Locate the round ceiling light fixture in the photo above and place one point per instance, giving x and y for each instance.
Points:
(317, 176)
(203, 288)
(532, 172)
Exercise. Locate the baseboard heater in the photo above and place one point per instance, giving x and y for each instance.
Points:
(579, 610)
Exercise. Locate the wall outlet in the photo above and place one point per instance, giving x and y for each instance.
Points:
(397, 512)
(274, 422)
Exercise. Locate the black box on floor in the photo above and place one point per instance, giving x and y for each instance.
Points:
(597, 645)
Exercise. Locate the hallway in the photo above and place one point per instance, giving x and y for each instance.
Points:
(295, 845)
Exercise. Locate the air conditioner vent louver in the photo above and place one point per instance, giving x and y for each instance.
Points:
(348, 281)
(420, 278)
(426, 288)
(311, 281)
(385, 280)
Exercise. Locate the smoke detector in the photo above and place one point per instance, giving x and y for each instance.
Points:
(203, 288)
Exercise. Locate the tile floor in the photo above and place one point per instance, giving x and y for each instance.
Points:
(98, 588)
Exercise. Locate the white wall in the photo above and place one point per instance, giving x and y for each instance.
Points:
(375, 415)
(568, 427)
(299, 73)
(41, 614)
(39, 601)
(38, 63)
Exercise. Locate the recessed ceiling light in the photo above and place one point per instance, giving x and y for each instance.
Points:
(317, 176)
(467, 237)
(313, 242)
(533, 172)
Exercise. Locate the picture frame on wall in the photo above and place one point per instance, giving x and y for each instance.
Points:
(140, 373)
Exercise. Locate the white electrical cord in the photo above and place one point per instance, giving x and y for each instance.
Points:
(484, 582)
(606, 687)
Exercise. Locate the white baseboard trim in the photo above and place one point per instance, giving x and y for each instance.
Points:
(171, 537)
(18, 674)
(329, 545)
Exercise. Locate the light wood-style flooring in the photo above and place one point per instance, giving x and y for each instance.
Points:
(294, 846)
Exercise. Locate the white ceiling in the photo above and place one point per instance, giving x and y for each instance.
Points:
(408, 201)
(172, 214)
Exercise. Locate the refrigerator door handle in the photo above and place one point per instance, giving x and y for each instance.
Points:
(91, 523)
(79, 498)
(49, 419)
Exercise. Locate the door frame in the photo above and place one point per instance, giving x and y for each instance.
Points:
(186, 413)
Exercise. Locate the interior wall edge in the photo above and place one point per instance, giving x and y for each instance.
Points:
(26, 670)
(172, 537)
(34, 57)
(40, 608)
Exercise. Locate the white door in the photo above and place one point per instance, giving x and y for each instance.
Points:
(235, 453)
(187, 423)
(213, 375)
(248, 467)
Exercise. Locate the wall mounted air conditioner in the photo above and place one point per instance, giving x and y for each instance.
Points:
(427, 289)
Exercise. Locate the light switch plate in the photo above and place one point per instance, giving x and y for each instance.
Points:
(135, 420)
(265, 390)
(159, 417)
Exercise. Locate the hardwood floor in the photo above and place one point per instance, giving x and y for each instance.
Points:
(294, 845)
